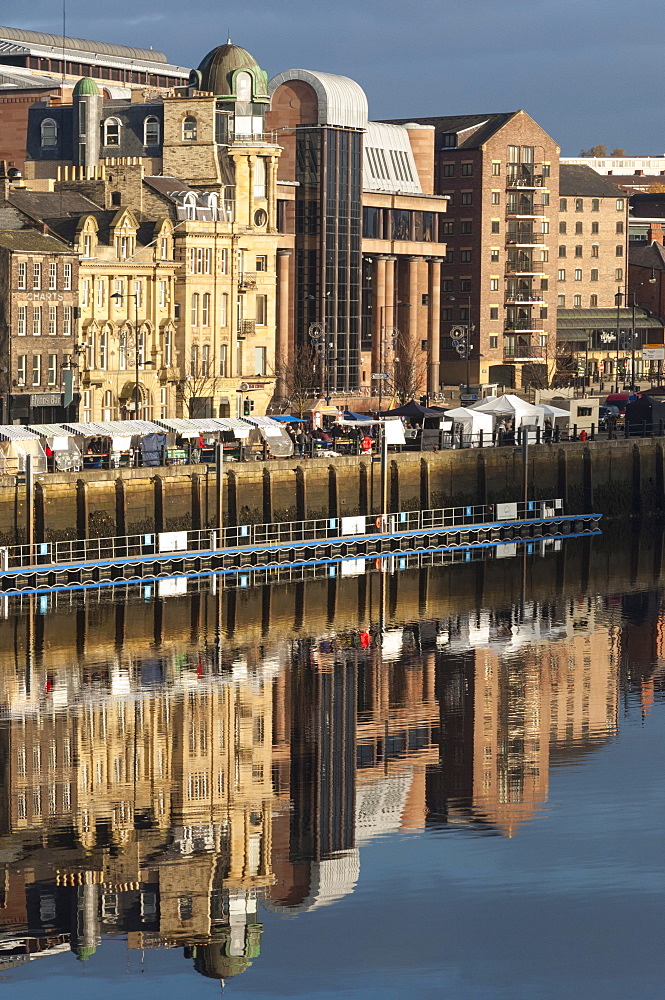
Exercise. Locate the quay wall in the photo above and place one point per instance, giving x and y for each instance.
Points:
(619, 479)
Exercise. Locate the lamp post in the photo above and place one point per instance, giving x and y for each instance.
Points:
(470, 329)
(118, 296)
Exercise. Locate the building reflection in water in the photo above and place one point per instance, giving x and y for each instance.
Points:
(170, 763)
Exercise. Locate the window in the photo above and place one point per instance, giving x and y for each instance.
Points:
(448, 170)
(446, 284)
(619, 227)
(36, 321)
(494, 342)
(594, 274)
(465, 256)
(207, 260)
(495, 227)
(449, 257)
(52, 369)
(544, 284)
(578, 251)
(543, 312)
(593, 301)
(595, 250)
(168, 348)
(494, 284)
(22, 275)
(496, 168)
(101, 294)
(259, 361)
(52, 321)
(496, 197)
(22, 321)
(577, 301)
(561, 300)
(87, 245)
(239, 370)
(205, 360)
(223, 360)
(544, 227)
(261, 310)
(579, 204)
(163, 402)
(545, 198)
(36, 369)
(162, 294)
(618, 274)
(620, 203)
(49, 133)
(189, 129)
(67, 277)
(52, 276)
(151, 131)
(563, 204)
(103, 350)
(205, 310)
(21, 368)
(494, 256)
(67, 321)
(112, 132)
(578, 274)
(85, 292)
(594, 229)
(449, 140)
(562, 228)
(467, 198)
(561, 274)
(579, 228)
(562, 250)
(138, 292)
(446, 313)
(467, 169)
(595, 205)
(194, 316)
(37, 275)
(262, 263)
(494, 312)
(465, 285)
(618, 250)
(465, 228)
(446, 229)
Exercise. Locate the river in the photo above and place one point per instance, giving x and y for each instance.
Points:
(405, 780)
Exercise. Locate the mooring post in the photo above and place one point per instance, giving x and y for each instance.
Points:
(29, 501)
(384, 470)
(219, 487)
(525, 467)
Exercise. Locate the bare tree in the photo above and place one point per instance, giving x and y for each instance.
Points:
(298, 378)
(408, 371)
(599, 150)
(557, 368)
(195, 393)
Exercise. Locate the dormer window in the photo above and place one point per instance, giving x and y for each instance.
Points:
(49, 133)
(151, 131)
(112, 132)
(449, 140)
(189, 129)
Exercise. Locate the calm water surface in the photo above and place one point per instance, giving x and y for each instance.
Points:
(400, 781)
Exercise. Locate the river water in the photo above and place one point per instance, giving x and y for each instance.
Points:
(398, 781)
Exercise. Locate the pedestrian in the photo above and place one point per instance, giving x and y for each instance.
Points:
(547, 433)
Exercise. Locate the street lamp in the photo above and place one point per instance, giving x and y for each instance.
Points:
(118, 297)
(470, 329)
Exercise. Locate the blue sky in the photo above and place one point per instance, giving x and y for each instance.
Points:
(588, 71)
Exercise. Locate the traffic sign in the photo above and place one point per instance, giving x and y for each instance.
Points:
(379, 375)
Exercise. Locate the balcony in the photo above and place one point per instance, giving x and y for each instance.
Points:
(531, 325)
(523, 352)
(246, 328)
(525, 176)
(531, 267)
(246, 280)
(524, 210)
(527, 298)
(525, 238)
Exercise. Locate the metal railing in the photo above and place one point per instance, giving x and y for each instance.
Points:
(186, 544)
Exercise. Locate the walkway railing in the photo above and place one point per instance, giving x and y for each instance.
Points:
(142, 546)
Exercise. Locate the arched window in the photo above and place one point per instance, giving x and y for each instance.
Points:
(49, 133)
(151, 131)
(112, 132)
(243, 87)
(189, 204)
(103, 350)
(108, 405)
(189, 129)
(122, 350)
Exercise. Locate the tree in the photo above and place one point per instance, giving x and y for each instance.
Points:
(408, 376)
(618, 152)
(298, 378)
(195, 393)
(557, 368)
(599, 150)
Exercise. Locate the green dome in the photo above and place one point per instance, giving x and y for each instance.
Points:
(86, 87)
(216, 72)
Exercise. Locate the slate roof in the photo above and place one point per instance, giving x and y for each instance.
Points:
(597, 319)
(584, 182)
(44, 204)
(484, 126)
(30, 241)
(166, 185)
(647, 255)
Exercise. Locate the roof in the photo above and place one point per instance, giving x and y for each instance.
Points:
(216, 70)
(51, 430)
(479, 127)
(388, 163)
(167, 186)
(578, 181)
(341, 100)
(44, 204)
(16, 432)
(647, 255)
(30, 241)
(596, 319)
(86, 87)
(84, 44)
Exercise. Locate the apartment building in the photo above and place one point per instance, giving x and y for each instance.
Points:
(500, 174)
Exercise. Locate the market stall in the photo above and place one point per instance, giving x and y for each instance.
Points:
(62, 452)
(274, 436)
(468, 428)
(16, 443)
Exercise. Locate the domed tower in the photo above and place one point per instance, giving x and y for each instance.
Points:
(240, 87)
(87, 101)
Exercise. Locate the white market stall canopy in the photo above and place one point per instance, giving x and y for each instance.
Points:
(554, 412)
(17, 432)
(511, 407)
(471, 422)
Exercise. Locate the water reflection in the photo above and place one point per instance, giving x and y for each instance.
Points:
(170, 765)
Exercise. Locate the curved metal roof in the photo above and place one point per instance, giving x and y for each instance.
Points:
(41, 38)
(342, 101)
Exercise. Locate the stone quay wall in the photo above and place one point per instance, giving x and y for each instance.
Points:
(622, 478)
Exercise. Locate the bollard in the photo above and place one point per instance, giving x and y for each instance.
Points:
(480, 438)
(557, 433)
(626, 427)
(593, 431)
(537, 435)
(574, 432)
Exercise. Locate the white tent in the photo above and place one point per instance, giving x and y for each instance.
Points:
(468, 423)
(512, 407)
(554, 413)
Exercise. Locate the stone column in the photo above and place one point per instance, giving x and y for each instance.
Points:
(379, 317)
(283, 351)
(271, 194)
(412, 319)
(251, 168)
(389, 314)
(433, 325)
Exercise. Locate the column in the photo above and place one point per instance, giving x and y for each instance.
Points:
(283, 352)
(251, 162)
(271, 194)
(412, 320)
(379, 316)
(389, 318)
(433, 325)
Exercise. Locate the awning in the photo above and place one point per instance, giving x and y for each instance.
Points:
(587, 320)
(288, 419)
(16, 432)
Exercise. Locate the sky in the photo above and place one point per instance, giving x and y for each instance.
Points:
(586, 70)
